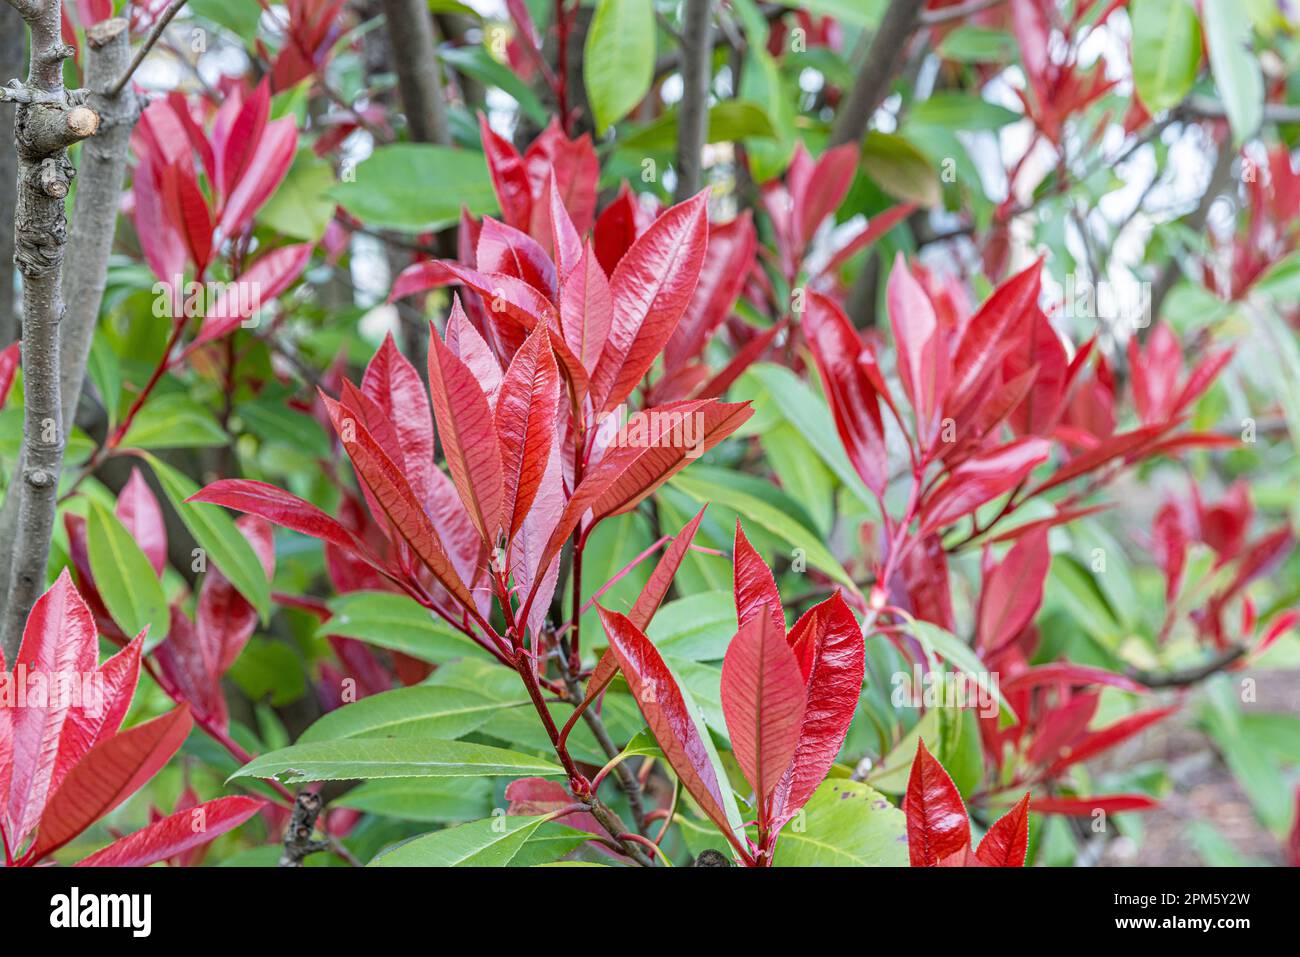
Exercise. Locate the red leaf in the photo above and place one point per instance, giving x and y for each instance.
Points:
(1106, 738)
(566, 243)
(188, 210)
(988, 333)
(395, 387)
(396, 499)
(982, 479)
(140, 514)
(651, 288)
(937, 826)
(505, 249)
(189, 665)
(586, 306)
(224, 618)
(111, 771)
(242, 140)
(269, 276)
(1013, 592)
(1007, 842)
(1087, 807)
(755, 588)
(469, 438)
(59, 638)
(661, 702)
(827, 643)
(763, 701)
(9, 359)
(471, 348)
(842, 361)
(824, 189)
(878, 225)
(525, 424)
(728, 262)
(1072, 675)
(87, 726)
(263, 174)
(176, 834)
(575, 169)
(1111, 448)
(508, 177)
(923, 361)
(616, 229)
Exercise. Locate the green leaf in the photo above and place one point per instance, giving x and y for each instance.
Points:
(428, 800)
(1169, 37)
(958, 655)
(272, 420)
(238, 16)
(619, 58)
(700, 487)
(845, 824)
(301, 208)
(1237, 74)
(216, 533)
(363, 759)
(695, 628)
(892, 772)
(416, 187)
(960, 111)
(492, 842)
(398, 623)
(269, 671)
(900, 169)
(419, 711)
(643, 745)
(173, 421)
(476, 62)
(124, 577)
(968, 44)
(729, 121)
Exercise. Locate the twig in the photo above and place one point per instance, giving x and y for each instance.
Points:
(1187, 676)
(149, 41)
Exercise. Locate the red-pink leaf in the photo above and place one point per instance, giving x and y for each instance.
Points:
(1088, 807)
(1114, 447)
(575, 169)
(139, 512)
(616, 229)
(651, 288)
(242, 139)
(508, 177)
(469, 439)
(937, 826)
(878, 225)
(988, 332)
(176, 834)
(188, 210)
(189, 665)
(224, 618)
(9, 359)
(395, 387)
(728, 262)
(1007, 842)
(982, 479)
(922, 347)
(586, 307)
(1013, 592)
(111, 771)
(763, 701)
(269, 276)
(824, 189)
(264, 173)
(87, 726)
(755, 588)
(1108, 737)
(525, 424)
(850, 389)
(827, 643)
(1072, 675)
(661, 703)
(59, 638)
(505, 249)
(566, 242)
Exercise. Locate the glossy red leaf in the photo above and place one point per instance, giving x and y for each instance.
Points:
(574, 168)
(525, 424)
(763, 701)
(138, 511)
(661, 703)
(1114, 447)
(110, 772)
(981, 479)
(267, 169)
(1072, 675)
(616, 229)
(1061, 726)
(242, 139)
(224, 618)
(396, 388)
(176, 833)
(989, 330)
(850, 389)
(506, 168)
(727, 264)
(1007, 842)
(505, 249)
(262, 282)
(754, 587)
(566, 241)
(876, 227)
(651, 288)
(923, 363)
(825, 187)
(188, 664)
(469, 439)
(827, 643)
(937, 826)
(396, 498)
(1108, 737)
(1088, 807)
(465, 342)
(1013, 592)
(188, 210)
(586, 308)
(87, 726)
(59, 638)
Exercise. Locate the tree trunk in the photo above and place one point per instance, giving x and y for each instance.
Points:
(13, 56)
(410, 32)
(48, 121)
(878, 70)
(693, 114)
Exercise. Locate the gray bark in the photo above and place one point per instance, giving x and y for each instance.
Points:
(13, 57)
(410, 32)
(878, 70)
(94, 219)
(693, 114)
(49, 119)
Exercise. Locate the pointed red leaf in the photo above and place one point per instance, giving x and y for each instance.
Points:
(265, 279)
(469, 438)
(1088, 807)
(616, 229)
(111, 771)
(87, 726)
(982, 479)
(139, 512)
(224, 618)
(508, 177)
(988, 332)
(1007, 842)
(1013, 592)
(242, 139)
(763, 701)
(176, 833)
(922, 347)
(651, 288)
(586, 307)
(661, 703)
(755, 588)
(267, 169)
(525, 424)
(728, 262)
(396, 388)
(505, 249)
(937, 826)
(1096, 742)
